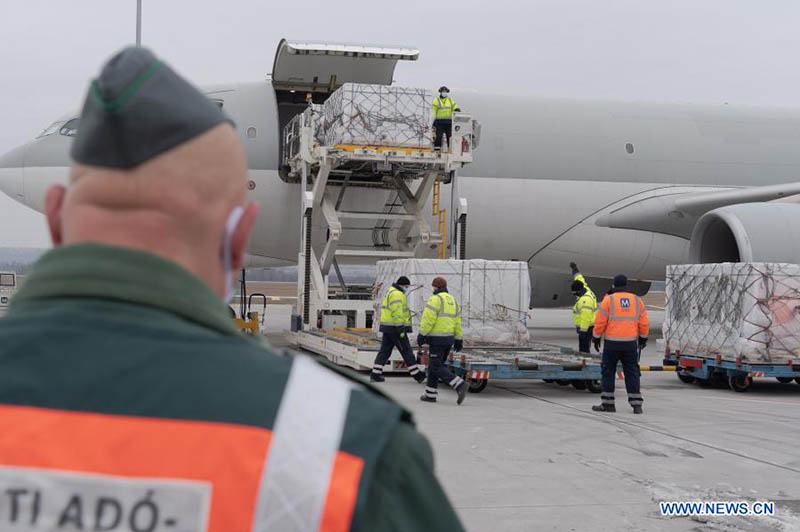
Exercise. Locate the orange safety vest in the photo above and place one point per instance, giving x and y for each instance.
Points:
(89, 470)
(622, 317)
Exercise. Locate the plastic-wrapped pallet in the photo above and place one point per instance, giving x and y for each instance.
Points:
(493, 295)
(377, 115)
(747, 310)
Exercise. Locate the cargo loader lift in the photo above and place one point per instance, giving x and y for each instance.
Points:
(326, 173)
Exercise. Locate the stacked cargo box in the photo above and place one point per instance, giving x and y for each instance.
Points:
(746, 311)
(377, 115)
(493, 295)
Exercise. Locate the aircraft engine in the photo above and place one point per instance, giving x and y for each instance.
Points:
(748, 232)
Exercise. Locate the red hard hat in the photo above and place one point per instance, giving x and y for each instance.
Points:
(439, 282)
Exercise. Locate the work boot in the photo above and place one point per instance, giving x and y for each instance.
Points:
(462, 392)
(637, 410)
(419, 377)
(374, 377)
(604, 408)
(427, 399)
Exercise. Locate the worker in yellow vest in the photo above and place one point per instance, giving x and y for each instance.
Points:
(441, 330)
(443, 108)
(396, 325)
(583, 313)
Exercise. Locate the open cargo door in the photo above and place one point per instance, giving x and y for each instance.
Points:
(319, 67)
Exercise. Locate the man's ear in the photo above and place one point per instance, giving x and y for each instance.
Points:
(242, 234)
(53, 202)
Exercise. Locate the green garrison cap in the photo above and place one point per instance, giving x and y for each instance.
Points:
(137, 109)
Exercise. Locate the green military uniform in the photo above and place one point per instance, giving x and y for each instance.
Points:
(106, 330)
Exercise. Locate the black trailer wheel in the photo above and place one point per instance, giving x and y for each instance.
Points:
(594, 386)
(797, 380)
(548, 380)
(784, 380)
(688, 378)
(739, 383)
(579, 384)
(720, 380)
(704, 383)
(477, 385)
(563, 382)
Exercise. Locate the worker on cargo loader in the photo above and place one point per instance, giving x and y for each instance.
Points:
(584, 310)
(622, 321)
(443, 108)
(396, 326)
(441, 330)
(134, 401)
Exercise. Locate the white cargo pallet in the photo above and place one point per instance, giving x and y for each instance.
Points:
(342, 352)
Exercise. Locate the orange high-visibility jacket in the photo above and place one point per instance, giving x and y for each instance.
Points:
(622, 317)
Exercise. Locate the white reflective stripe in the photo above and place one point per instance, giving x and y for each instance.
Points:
(621, 338)
(430, 390)
(305, 439)
(447, 315)
(395, 301)
(602, 311)
(441, 335)
(428, 306)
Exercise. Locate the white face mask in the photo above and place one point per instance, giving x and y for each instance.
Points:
(444, 94)
(227, 255)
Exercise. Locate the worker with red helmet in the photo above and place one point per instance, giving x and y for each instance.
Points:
(441, 330)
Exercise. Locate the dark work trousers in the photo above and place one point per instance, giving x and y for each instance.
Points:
(441, 127)
(389, 341)
(437, 370)
(628, 354)
(585, 340)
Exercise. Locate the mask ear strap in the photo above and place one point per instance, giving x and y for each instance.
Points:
(227, 256)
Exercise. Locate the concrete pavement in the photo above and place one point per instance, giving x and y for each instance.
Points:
(526, 455)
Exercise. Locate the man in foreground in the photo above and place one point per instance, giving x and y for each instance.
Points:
(623, 323)
(128, 398)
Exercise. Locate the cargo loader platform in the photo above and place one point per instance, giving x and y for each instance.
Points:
(538, 361)
(709, 369)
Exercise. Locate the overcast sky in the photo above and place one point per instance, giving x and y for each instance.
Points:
(709, 51)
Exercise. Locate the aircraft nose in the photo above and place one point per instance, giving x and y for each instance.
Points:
(12, 166)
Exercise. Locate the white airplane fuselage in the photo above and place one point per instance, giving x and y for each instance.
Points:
(545, 171)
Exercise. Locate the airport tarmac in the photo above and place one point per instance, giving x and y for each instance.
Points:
(527, 455)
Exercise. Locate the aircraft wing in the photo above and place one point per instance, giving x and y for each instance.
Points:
(676, 214)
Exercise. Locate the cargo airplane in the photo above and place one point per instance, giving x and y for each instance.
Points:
(613, 186)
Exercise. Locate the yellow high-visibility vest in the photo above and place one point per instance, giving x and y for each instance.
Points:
(443, 107)
(394, 309)
(442, 317)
